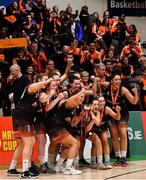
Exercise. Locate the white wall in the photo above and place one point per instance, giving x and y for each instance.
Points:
(93, 5)
(100, 6)
(75, 4)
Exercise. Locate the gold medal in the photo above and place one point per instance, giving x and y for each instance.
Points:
(90, 133)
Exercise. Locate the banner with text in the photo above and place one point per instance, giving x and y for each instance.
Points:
(137, 133)
(127, 7)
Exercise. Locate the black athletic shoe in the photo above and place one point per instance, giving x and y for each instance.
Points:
(118, 162)
(83, 162)
(45, 169)
(13, 172)
(34, 166)
(124, 162)
(28, 175)
(33, 170)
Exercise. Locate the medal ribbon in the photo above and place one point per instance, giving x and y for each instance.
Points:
(114, 99)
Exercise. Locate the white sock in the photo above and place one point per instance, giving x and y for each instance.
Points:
(42, 159)
(123, 153)
(107, 158)
(29, 164)
(13, 164)
(93, 159)
(75, 162)
(25, 165)
(99, 159)
(118, 154)
(69, 163)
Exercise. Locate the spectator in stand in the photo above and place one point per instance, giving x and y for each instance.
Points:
(110, 55)
(39, 9)
(109, 18)
(130, 82)
(50, 66)
(28, 27)
(125, 61)
(68, 14)
(55, 9)
(89, 57)
(12, 18)
(109, 69)
(143, 82)
(133, 32)
(24, 9)
(52, 23)
(74, 29)
(100, 72)
(118, 32)
(73, 48)
(104, 34)
(5, 105)
(84, 17)
(30, 73)
(38, 58)
(23, 60)
(133, 52)
(142, 61)
(95, 25)
(76, 52)
(4, 33)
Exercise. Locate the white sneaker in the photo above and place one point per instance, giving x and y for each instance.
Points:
(71, 171)
(108, 165)
(101, 166)
(59, 168)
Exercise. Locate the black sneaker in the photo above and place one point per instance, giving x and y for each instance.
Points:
(124, 162)
(13, 172)
(27, 174)
(118, 162)
(34, 166)
(45, 169)
(83, 162)
(33, 170)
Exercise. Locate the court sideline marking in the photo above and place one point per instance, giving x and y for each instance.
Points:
(124, 174)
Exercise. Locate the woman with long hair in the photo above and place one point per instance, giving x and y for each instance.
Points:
(115, 95)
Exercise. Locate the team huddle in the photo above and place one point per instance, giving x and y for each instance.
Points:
(70, 115)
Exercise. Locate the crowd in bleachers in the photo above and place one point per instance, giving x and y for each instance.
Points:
(76, 51)
(52, 34)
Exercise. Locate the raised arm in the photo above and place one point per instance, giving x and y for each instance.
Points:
(52, 103)
(33, 88)
(95, 120)
(132, 99)
(115, 115)
(94, 85)
(67, 71)
(76, 99)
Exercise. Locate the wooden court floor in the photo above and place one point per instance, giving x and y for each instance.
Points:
(134, 170)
